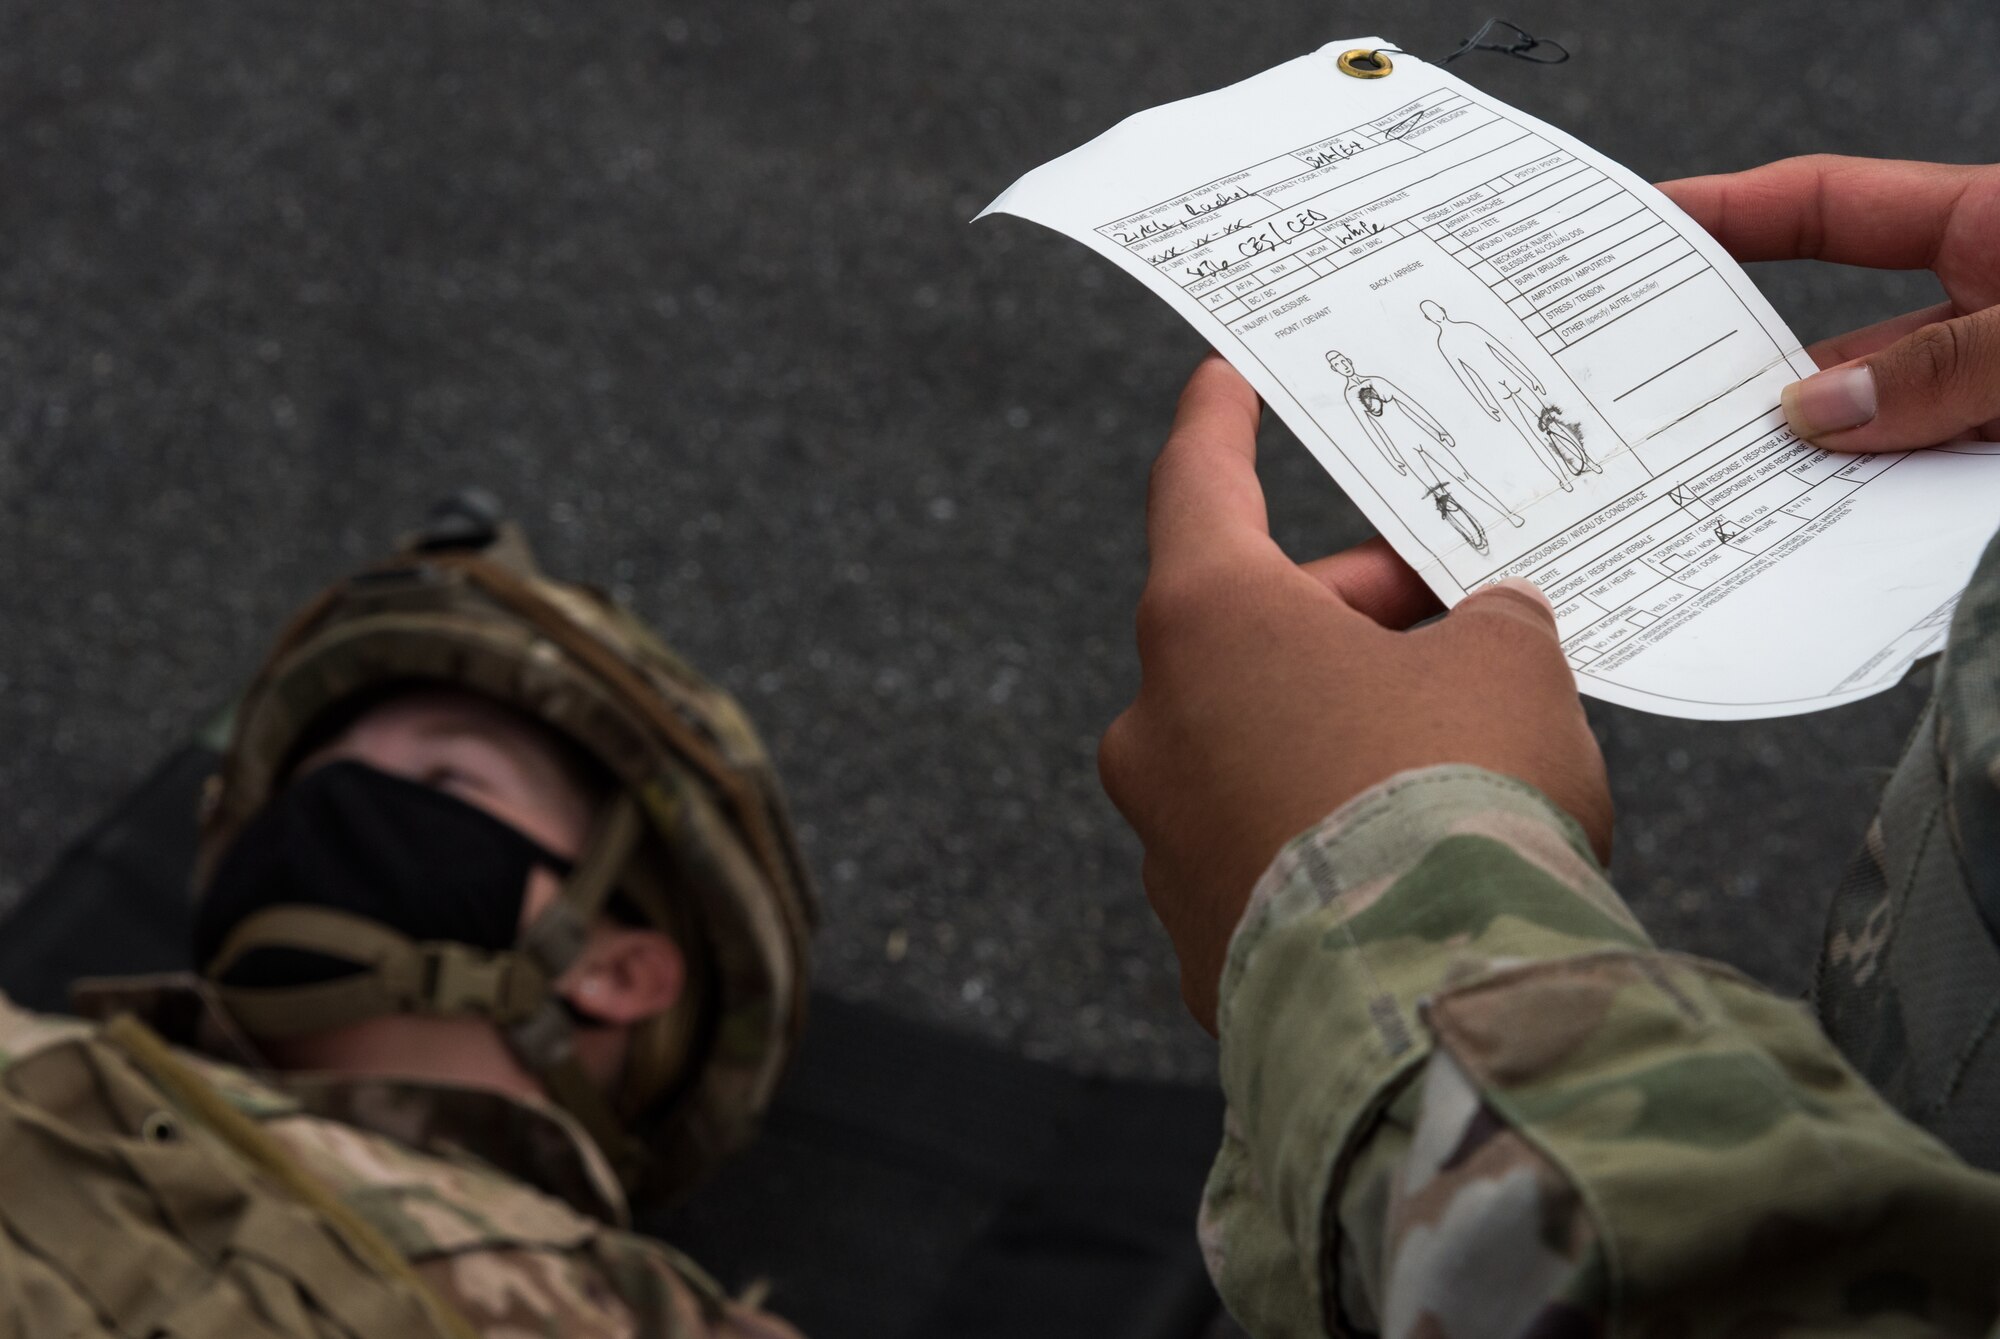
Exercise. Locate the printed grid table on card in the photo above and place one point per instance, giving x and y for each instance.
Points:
(1556, 239)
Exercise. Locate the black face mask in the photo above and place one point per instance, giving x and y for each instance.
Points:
(352, 838)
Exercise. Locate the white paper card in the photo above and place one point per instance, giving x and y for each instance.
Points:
(1521, 360)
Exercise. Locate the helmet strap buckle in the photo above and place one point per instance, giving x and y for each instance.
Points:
(460, 979)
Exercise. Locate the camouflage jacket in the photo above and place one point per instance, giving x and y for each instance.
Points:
(504, 1207)
(1468, 1096)
(1909, 982)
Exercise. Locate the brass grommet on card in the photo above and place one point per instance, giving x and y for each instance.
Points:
(1364, 64)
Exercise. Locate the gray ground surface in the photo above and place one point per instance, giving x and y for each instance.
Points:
(690, 286)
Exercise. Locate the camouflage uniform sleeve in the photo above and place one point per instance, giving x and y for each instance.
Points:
(1468, 1096)
(1909, 983)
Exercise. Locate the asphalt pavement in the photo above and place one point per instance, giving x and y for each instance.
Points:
(692, 288)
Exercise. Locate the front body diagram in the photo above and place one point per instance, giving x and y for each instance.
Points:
(1410, 438)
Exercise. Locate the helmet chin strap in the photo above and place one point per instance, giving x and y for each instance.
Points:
(545, 1040)
(514, 989)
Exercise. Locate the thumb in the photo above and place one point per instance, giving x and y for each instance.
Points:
(1532, 724)
(1518, 601)
(1936, 384)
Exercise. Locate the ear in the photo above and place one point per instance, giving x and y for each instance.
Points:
(626, 975)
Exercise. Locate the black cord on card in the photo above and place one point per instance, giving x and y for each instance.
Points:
(1522, 45)
(1374, 62)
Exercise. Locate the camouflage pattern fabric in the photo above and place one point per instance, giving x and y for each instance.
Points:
(1469, 1097)
(488, 1197)
(1909, 982)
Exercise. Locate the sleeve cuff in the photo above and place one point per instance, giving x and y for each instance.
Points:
(1434, 877)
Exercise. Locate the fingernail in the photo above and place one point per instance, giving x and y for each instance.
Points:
(1526, 587)
(1841, 397)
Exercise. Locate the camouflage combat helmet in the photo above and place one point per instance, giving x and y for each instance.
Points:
(696, 839)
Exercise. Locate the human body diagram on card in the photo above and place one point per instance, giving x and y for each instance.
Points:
(1422, 440)
(1522, 361)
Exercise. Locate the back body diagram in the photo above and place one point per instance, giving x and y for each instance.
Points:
(1504, 387)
